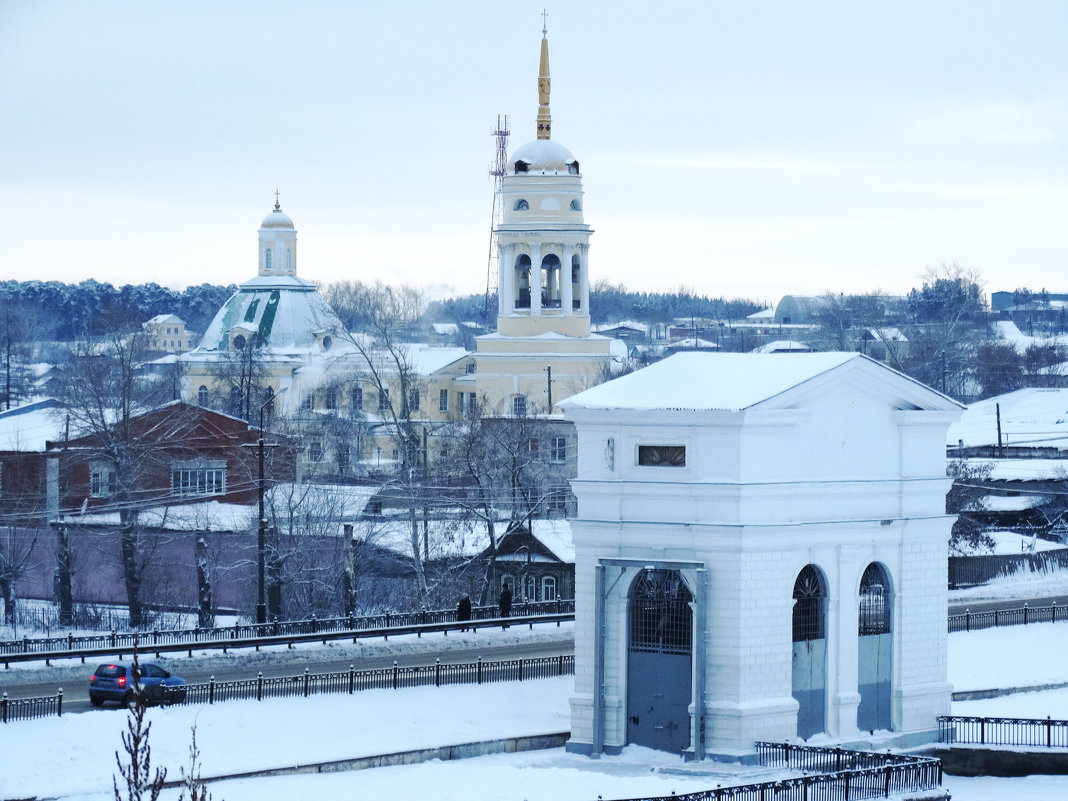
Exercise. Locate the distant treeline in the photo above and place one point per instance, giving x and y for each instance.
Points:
(65, 312)
(610, 303)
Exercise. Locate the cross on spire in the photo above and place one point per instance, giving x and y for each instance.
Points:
(276, 206)
(544, 25)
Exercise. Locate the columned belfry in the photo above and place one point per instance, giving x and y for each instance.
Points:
(543, 325)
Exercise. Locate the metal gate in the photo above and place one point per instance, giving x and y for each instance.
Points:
(810, 652)
(874, 650)
(659, 661)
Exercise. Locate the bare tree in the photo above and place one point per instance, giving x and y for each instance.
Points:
(383, 320)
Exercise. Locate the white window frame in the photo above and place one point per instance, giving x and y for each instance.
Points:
(548, 588)
(558, 450)
(201, 477)
(101, 480)
(443, 400)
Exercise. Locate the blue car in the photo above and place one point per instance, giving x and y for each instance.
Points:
(116, 683)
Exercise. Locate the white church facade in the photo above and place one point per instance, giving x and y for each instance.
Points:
(761, 547)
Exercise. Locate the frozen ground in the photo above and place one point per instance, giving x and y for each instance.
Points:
(73, 757)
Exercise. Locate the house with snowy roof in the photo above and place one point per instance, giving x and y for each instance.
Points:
(536, 560)
(760, 554)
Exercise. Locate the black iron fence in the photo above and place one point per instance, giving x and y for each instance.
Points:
(1032, 732)
(387, 620)
(1019, 616)
(844, 774)
(971, 571)
(308, 683)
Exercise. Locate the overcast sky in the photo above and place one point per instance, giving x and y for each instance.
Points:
(738, 148)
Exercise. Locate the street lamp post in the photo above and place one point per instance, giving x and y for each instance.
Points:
(261, 541)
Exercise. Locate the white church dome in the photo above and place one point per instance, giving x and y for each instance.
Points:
(543, 156)
(277, 219)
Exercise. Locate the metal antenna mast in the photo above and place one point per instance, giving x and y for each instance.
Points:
(500, 163)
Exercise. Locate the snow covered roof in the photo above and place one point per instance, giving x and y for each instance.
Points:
(445, 329)
(205, 516)
(783, 346)
(277, 219)
(1024, 469)
(1030, 417)
(28, 427)
(703, 381)
(886, 334)
(1007, 330)
(160, 319)
(631, 324)
(764, 315)
(543, 156)
(1011, 503)
(426, 359)
(556, 536)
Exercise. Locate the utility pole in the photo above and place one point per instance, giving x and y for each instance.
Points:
(1001, 450)
(261, 539)
(549, 387)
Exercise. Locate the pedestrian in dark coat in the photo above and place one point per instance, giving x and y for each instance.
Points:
(504, 602)
(463, 610)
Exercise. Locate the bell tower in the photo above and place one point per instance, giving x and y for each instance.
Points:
(542, 238)
(277, 243)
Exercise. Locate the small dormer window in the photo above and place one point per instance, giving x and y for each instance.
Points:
(521, 205)
(267, 259)
(573, 168)
(328, 342)
(576, 206)
(521, 166)
(239, 342)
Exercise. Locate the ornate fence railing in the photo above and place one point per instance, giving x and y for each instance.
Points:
(971, 571)
(844, 774)
(1028, 732)
(387, 620)
(308, 683)
(1020, 616)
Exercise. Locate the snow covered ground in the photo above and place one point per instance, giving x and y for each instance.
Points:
(73, 757)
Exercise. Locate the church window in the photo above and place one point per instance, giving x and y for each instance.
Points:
(267, 259)
(202, 396)
(873, 614)
(662, 455)
(413, 399)
(443, 400)
(519, 406)
(573, 168)
(550, 282)
(470, 367)
(521, 205)
(521, 166)
(576, 206)
(383, 400)
(357, 399)
(289, 260)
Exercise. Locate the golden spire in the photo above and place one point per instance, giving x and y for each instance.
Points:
(544, 120)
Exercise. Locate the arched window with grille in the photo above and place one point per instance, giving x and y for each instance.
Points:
(874, 649)
(548, 588)
(202, 396)
(809, 686)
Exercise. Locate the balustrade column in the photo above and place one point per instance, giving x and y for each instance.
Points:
(506, 279)
(535, 278)
(565, 280)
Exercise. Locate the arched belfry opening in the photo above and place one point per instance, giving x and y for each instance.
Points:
(875, 649)
(522, 281)
(550, 282)
(659, 661)
(809, 687)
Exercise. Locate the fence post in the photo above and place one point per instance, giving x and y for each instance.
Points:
(59, 702)
(352, 678)
(1049, 724)
(1053, 612)
(3, 708)
(995, 618)
(70, 641)
(982, 731)
(211, 690)
(967, 620)
(479, 673)
(886, 782)
(155, 636)
(395, 671)
(560, 665)
(306, 672)
(437, 672)
(520, 669)
(1025, 614)
(259, 686)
